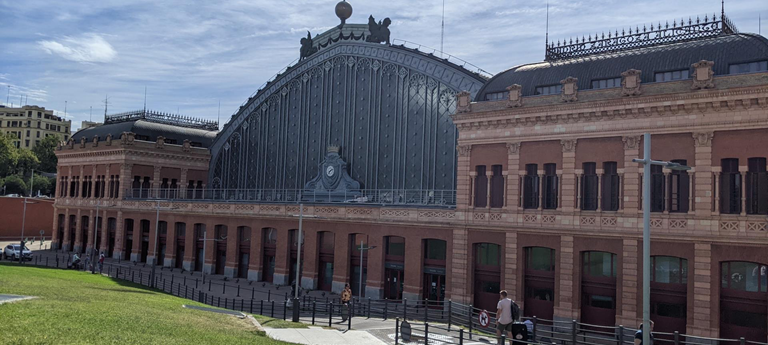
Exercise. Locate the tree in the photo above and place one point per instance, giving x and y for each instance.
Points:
(45, 151)
(8, 155)
(15, 185)
(41, 184)
(26, 161)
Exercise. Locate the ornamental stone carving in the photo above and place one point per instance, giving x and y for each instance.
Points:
(464, 150)
(95, 141)
(109, 140)
(515, 96)
(186, 146)
(463, 103)
(703, 76)
(630, 83)
(513, 148)
(127, 138)
(703, 139)
(82, 142)
(160, 142)
(569, 145)
(631, 142)
(71, 143)
(569, 92)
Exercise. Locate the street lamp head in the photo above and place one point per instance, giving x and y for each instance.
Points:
(676, 166)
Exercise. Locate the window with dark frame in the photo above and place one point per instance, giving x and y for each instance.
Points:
(496, 96)
(748, 67)
(481, 187)
(589, 187)
(757, 186)
(730, 186)
(671, 75)
(531, 187)
(497, 187)
(610, 187)
(657, 188)
(549, 89)
(679, 188)
(549, 199)
(606, 83)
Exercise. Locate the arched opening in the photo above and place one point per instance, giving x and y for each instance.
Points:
(60, 231)
(162, 245)
(72, 232)
(244, 251)
(539, 282)
(144, 228)
(128, 238)
(269, 250)
(487, 275)
(434, 270)
(394, 267)
(598, 288)
(669, 297)
(84, 234)
(293, 237)
(199, 246)
(325, 244)
(220, 245)
(98, 235)
(111, 233)
(743, 300)
(358, 263)
(181, 235)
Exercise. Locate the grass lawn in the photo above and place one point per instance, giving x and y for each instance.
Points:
(80, 308)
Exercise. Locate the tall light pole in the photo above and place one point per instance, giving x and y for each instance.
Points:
(298, 253)
(157, 236)
(205, 242)
(95, 238)
(647, 162)
(23, 221)
(362, 255)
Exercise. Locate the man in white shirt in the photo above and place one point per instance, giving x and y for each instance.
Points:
(504, 315)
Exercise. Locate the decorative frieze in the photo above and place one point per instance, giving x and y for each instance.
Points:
(703, 139)
(569, 145)
(631, 142)
(513, 148)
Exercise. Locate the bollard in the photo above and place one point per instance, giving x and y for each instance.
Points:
(185, 280)
(285, 309)
(196, 283)
(330, 314)
(369, 307)
(349, 322)
(574, 334)
(620, 335)
(252, 292)
(397, 331)
(133, 275)
(251, 310)
(223, 288)
(461, 336)
(469, 318)
(209, 285)
(314, 308)
(503, 339)
(426, 333)
(269, 295)
(261, 307)
(449, 314)
(225, 303)
(273, 309)
(742, 341)
(535, 326)
(405, 309)
(238, 290)
(677, 338)
(426, 311)
(385, 309)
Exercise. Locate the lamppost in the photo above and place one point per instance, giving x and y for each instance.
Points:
(205, 242)
(362, 255)
(647, 162)
(157, 232)
(23, 221)
(96, 223)
(300, 240)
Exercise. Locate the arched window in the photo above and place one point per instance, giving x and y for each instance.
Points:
(744, 276)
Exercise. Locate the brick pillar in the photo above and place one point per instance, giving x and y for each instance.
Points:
(124, 180)
(566, 307)
(254, 265)
(170, 243)
(463, 183)
(702, 180)
(155, 185)
(92, 232)
(340, 261)
(190, 247)
(210, 247)
(569, 179)
(413, 273)
(233, 251)
(630, 289)
(94, 181)
(154, 248)
(309, 259)
(119, 236)
(374, 284)
(67, 233)
(181, 192)
(459, 266)
(136, 249)
(282, 258)
(55, 240)
(631, 180)
(702, 289)
(82, 182)
(104, 240)
(512, 202)
(510, 268)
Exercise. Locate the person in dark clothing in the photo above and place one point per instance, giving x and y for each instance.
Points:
(639, 334)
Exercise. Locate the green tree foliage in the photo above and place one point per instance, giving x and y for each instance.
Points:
(26, 161)
(41, 184)
(15, 185)
(45, 152)
(8, 155)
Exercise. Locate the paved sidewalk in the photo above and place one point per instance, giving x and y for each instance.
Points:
(320, 336)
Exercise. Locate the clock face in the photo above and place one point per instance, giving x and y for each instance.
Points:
(330, 171)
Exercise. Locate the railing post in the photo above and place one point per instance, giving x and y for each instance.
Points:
(397, 331)
(285, 309)
(314, 309)
(426, 311)
(535, 326)
(238, 290)
(386, 306)
(209, 285)
(573, 333)
(426, 333)
(742, 341)
(469, 318)
(461, 336)
(349, 321)
(503, 339)
(330, 314)
(621, 334)
(677, 338)
(261, 307)
(269, 295)
(405, 309)
(251, 310)
(224, 288)
(369, 307)
(449, 314)
(273, 310)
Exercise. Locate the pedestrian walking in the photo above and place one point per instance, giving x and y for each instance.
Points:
(346, 296)
(101, 262)
(504, 316)
(639, 334)
(87, 262)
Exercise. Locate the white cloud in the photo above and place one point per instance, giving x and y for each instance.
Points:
(84, 48)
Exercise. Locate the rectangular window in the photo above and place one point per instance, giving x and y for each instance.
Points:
(549, 89)
(610, 197)
(550, 186)
(395, 246)
(748, 67)
(540, 259)
(657, 188)
(679, 188)
(496, 96)
(757, 186)
(671, 75)
(38, 134)
(730, 186)
(488, 254)
(497, 187)
(435, 249)
(481, 187)
(26, 143)
(606, 83)
(589, 187)
(531, 187)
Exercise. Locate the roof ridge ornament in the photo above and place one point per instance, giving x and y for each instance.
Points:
(657, 35)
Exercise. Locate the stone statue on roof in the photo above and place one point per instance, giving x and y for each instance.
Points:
(307, 47)
(379, 32)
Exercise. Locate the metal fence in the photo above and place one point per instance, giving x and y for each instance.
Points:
(452, 322)
(405, 197)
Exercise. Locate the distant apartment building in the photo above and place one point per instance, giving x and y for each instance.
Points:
(30, 124)
(89, 124)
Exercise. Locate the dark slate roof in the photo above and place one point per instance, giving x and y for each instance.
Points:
(723, 50)
(150, 129)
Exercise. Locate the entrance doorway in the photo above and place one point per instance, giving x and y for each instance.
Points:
(269, 250)
(433, 283)
(539, 282)
(181, 236)
(487, 275)
(325, 245)
(243, 259)
(744, 300)
(669, 278)
(598, 286)
(394, 267)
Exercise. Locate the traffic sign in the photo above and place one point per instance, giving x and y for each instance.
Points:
(484, 318)
(405, 331)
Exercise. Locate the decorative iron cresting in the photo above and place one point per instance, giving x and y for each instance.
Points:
(639, 38)
(164, 118)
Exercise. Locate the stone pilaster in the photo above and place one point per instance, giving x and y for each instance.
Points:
(119, 237)
(463, 180)
(510, 268)
(55, 238)
(630, 289)
(124, 179)
(459, 268)
(233, 252)
(569, 179)
(702, 179)
(702, 292)
(155, 185)
(631, 180)
(67, 232)
(566, 308)
(256, 257)
(104, 240)
(79, 245)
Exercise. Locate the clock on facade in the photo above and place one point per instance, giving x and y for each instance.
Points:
(329, 171)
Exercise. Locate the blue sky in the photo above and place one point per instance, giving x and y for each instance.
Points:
(191, 55)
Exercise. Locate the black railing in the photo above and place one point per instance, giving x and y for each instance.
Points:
(165, 118)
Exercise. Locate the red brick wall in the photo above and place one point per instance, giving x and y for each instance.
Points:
(39, 217)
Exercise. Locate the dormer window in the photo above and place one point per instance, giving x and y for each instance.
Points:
(606, 83)
(748, 67)
(549, 89)
(496, 96)
(671, 75)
